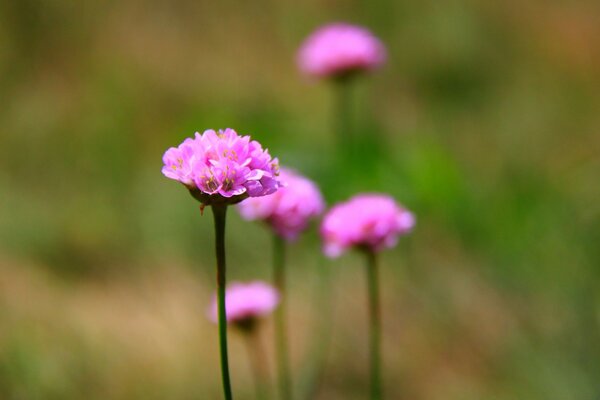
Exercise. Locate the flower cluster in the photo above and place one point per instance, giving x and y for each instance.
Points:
(222, 163)
(246, 301)
(371, 221)
(289, 210)
(339, 49)
(221, 168)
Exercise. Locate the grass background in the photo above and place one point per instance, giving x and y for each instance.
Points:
(484, 122)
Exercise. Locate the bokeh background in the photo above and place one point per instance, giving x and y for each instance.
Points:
(485, 122)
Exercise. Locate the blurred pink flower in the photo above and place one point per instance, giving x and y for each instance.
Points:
(371, 221)
(339, 49)
(222, 163)
(246, 301)
(289, 210)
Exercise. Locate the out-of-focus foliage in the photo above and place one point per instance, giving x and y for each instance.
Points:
(484, 122)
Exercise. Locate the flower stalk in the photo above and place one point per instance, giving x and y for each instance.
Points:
(258, 365)
(219, 214)
(374, 326)
(281, 349)
(343, 124)
(317, 358)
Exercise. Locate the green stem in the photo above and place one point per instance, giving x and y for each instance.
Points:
(375, 326)
(317, 358)
(256, 356)
(343, 121)
(219, 213)
(285, 384)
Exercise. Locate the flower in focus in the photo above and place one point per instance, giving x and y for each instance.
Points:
(222, 164)
(368, 221)
(246, 302)
(339, 49)
(289, 210)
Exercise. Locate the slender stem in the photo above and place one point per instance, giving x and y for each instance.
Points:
(343, 120)
(256, 356)
(285, 384)
(375, 326)
(219, 213)
(317, 358)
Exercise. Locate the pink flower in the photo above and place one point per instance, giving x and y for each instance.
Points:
(339, 49)
(289, 210)
(246, 301)
(371, 221)
(222, 163)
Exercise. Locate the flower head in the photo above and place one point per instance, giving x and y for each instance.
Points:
(245, 302)
(371, 221)
(222, 165)
(339, 49)
(289, 210)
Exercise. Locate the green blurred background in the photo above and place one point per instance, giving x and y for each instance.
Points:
(485, 122)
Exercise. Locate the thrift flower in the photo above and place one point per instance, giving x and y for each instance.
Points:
(219, 169)
(222, 167)
(340, 49)
(289, 210)
(246, 302)
(371, 221)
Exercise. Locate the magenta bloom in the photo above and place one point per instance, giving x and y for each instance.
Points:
(222, 163)
(246, 301)
(289, 210)
(339, 49)
(371, 221)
